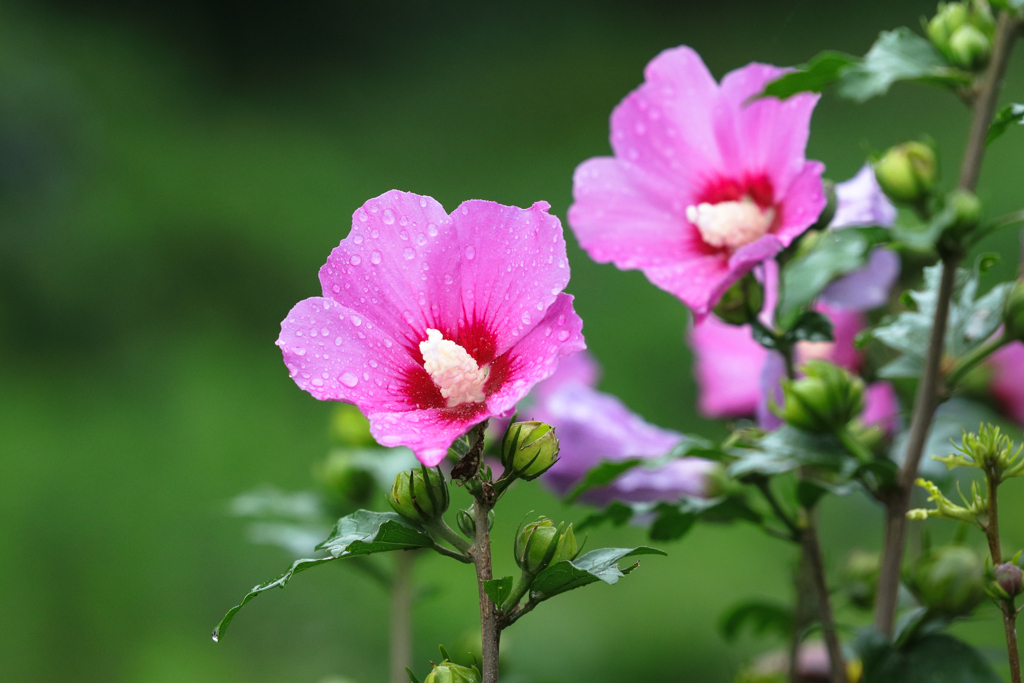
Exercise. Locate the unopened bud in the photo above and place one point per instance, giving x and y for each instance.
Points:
(541, 543)
(529, 449)
(344, 479)
(969, 47)
(420, 495)
(466, 519)
(822, 401)
(450, 672)
(741, 301)
(948, 18)
(949, 581)
(1010, 578)
(907, 172)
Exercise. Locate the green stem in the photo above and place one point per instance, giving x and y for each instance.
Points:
(440, 528)
(971, 360)
(1006, 606)
(926, 399)
(518, 591)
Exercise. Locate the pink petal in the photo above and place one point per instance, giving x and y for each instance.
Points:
(513, 267)
(802, 204)
(535, 356)
(765, 136)
(1008, 379)
(659, 129)
(618, 220)
(398, 266)
(337, 354)
(881, 407)
(727, 366)
(428, 433)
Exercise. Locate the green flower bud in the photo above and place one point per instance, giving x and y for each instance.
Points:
(907, 172)
(949, 581)
(466, 519)
(420, 495)
(824, 400)
(1010, 578)
(349, 427)
(741, 301)
(1013, 312)
(861, 578)
(540, 543)
(450, 672)
(343, 478)
(969, 47)
(529, 449)
(947, 19)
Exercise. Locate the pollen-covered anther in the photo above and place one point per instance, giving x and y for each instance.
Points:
(453, 370)
(730, 224)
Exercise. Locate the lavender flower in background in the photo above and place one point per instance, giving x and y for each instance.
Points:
(594, 426)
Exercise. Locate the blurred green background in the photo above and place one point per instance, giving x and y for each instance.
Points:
(173, 174)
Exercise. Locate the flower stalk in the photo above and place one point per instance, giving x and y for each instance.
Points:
(927, 397)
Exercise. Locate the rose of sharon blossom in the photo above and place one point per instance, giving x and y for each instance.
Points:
(593, 426)
(430, 322)
(704, 184)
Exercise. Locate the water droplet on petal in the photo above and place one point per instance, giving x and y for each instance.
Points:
(409, 253)
(355, 259)
(563, 335)
(358, 239)
(349, 380)
(470, 252)
(356, 321)
(375, 257)
(335, 289)
(388, 217)
(431, 229)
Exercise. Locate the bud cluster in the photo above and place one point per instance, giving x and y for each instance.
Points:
(990, 451)
(963, 32)
(825, 400)
(972, 511)
(742, 301)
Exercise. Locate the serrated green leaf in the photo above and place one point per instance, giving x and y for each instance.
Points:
(364, 532)
(616, 514)
(297, 567)
(972, 320)
(788, 448)
(1007, 116)
(361, 533)
(498, 590)
(597, 565)
(761, 616)
(899, 55)
(822, 71)
(603, 474)
(836, 253)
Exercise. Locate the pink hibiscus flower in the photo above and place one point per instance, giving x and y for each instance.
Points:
(704, 184)
(431, 323)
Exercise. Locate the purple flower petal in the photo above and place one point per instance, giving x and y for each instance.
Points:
(868, 287)
(860, 201)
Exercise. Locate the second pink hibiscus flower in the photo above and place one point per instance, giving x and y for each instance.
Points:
(704, 184)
